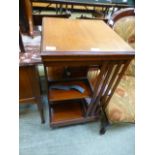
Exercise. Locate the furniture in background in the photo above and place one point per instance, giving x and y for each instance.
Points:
(21, 45)
(29, 87)
(38, 18)
(29, 84)
(29, 56)
(26, 17)
(121, 108)
(61, 6)
(93, 18)
(29, 21)
(80, 45)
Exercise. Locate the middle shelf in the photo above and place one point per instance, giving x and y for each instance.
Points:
(60, 95)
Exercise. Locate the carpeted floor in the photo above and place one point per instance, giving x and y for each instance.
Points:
(39, 139)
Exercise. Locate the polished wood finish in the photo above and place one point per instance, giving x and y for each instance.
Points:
(29, 82)
(29, 16)
(60, 95)
(67, 111)
(26, 17)
(85, 43)
(24, 83)
(29, 87)
(80, 36)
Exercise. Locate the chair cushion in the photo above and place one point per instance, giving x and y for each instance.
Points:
(121, 107)
(92, 75)
(131, 69)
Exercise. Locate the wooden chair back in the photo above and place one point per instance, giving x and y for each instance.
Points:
(120, 14)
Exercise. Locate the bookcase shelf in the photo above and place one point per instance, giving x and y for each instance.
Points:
(76, 51)
(69, 112)
(61, 95)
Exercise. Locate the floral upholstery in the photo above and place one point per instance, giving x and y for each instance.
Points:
(125, 27)
(121, 107)
(122, 104)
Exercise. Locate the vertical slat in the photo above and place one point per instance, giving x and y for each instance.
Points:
(92, 75)
(96, 89)
(97, 72)
(111, 81)
(103, 87)
(116, 83)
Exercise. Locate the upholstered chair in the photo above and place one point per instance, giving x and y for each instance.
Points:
(121, 107)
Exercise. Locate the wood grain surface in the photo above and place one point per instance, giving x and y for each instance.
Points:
(81, 36)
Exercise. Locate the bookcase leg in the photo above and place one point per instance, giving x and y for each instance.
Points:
(50, 113)
(102, 130)
(41, 111)
(104, 123)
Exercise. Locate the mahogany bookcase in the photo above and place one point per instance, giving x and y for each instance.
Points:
(82, 43)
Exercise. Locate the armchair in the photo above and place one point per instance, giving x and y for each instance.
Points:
(121, 107)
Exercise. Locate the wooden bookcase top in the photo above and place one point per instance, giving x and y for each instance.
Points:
(83, 37)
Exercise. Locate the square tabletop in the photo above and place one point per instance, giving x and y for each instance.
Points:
(72, 36)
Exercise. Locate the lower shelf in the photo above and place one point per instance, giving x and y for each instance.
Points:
(68, 113)
(67, 110)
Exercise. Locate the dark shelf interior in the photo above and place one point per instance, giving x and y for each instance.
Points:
(65, 111)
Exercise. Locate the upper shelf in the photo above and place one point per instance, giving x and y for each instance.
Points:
(59, 95)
